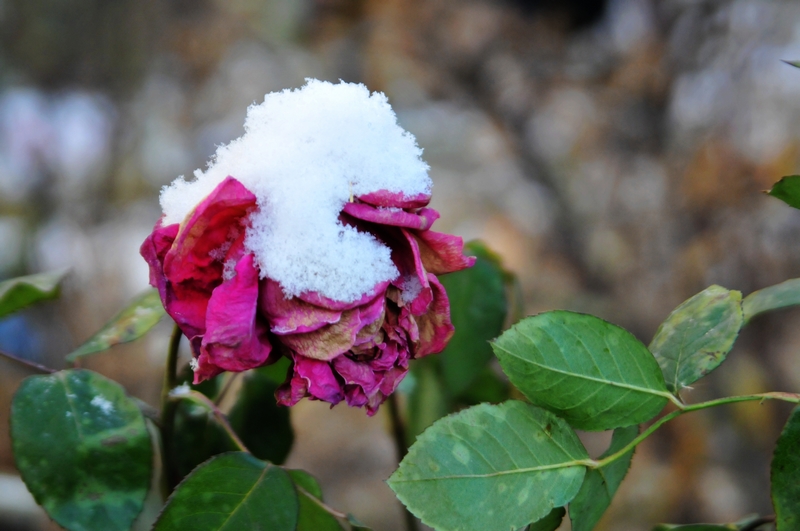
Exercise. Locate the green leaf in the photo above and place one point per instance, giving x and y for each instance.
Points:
(478, 308)
(491, 467)
(262, 424)
(785, 472)
(697, 336)
(592, 373)
(313, 517)
(771, 298)
(551, 522)
(232, 492)
(130, 324)
(17, 293)
(787, 190)
(600, 484)
(82, 448)
(795, 64)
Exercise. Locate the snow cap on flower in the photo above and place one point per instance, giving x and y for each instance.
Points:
(304, 155)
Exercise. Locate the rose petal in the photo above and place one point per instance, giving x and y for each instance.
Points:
(335, 339)
(421, 220)
(385, 198)
(355, 373)
(321, 383)
(154, 249)
(292, 315)
(416, 290)
(442, 253)
(392, 379)
(192, 266)
(234, 339)
(215, 222)
(327, 342)
(312, 297)
(435, 328)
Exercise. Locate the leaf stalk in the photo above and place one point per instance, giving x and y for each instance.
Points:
(686, 408)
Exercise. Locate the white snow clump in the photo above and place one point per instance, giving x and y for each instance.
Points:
(304, 154)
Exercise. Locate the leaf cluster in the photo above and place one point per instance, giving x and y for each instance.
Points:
(518, 464)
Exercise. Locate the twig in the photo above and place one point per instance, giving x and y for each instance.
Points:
(27, 363)
(168, 411)
(399, 434)
(199, 398)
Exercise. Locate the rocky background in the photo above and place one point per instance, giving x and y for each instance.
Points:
(613, 153)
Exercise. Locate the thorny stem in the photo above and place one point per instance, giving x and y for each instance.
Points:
(199, 398)
(786, 397)
(399, 434)
(168, 411)
(27, 363)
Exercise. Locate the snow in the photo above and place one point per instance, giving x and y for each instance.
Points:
(304, 154)
(103, 404)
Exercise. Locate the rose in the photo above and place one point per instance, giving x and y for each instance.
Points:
(354, 351)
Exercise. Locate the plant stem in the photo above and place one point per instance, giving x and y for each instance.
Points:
(228, 384)
(758, 522)
(399, 435)
(199, 398)
(171, 372)
(786, 397)
(27, 363)
(333, 512)
(168, 411)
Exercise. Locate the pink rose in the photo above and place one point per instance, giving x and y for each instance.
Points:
(356, 351)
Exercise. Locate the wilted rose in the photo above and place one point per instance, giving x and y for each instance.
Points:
(237, 318)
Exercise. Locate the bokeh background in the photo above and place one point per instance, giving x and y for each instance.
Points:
(611, 151)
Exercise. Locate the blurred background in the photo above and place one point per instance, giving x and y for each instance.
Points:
(611, 151)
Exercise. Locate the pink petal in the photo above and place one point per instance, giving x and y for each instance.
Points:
(293, 315)
(215, 222)
(312, 297)
(234, 339)
(421, 220)
(442, 253)
(327, 342)
(330, 341)
(154, 249)
(385, 198)
(314, 378)
(392, 379)
(416, 290)
(192, 266)
(357, 373)
(435, 328)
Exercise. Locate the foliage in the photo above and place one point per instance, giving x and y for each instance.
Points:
(130, 324)
(479, 460)
(18, 293)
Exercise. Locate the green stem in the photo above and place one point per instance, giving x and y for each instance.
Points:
(399, 435)
(171, 372)
(227, 387)
(333, 512)
(786, 397)
(199, 398)
(168, 411)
